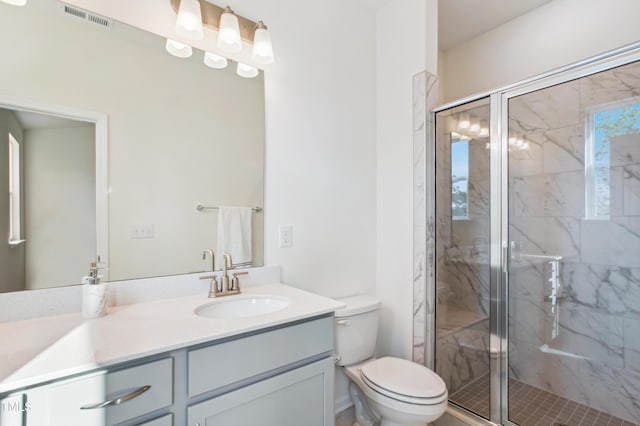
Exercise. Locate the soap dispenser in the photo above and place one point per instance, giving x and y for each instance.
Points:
(94, 294)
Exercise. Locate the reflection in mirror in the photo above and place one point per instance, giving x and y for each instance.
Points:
(180, 134)
(48, 168)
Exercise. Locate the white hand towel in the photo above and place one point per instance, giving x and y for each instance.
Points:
(234, 235)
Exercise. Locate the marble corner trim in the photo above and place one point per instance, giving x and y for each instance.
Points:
(425, 98)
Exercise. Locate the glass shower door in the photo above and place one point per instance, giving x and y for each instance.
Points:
(462, 269)
(574, 252)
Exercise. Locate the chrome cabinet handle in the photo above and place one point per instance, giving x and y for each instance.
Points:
(342, 322)
(117, 401)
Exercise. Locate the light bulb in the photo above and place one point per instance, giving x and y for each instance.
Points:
(246, 71)
(178, 49)
(262, 48)
(229, 40)
(463, 122)
(214, 61)
(189, 22)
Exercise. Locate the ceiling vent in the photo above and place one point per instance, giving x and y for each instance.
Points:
(87, 16)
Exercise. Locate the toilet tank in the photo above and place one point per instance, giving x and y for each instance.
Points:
(356, 329)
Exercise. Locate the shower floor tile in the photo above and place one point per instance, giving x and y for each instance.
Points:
(530, 406)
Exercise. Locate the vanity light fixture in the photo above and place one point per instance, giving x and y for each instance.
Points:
(189, 22)
(15, 2)
(246, 71)
(262, 48)
(215, 61)
(233, 30)
(475, 127)
(229, 40)
(178, 49)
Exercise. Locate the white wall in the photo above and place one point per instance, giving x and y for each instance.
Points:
(60, 205)
(406, 44)
(320, 149)
(556, 34)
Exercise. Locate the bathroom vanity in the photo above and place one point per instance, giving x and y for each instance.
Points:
(159, 363)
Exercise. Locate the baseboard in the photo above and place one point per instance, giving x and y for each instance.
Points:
(342, 403)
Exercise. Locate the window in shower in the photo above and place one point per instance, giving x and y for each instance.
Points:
(459, 177)
(604, 125)
(14, 191)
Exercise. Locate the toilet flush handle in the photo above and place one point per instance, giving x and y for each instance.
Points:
(342, 322)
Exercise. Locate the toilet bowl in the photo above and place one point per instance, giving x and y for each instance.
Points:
(393, 391)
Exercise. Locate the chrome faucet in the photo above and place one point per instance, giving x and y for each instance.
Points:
(227, 263)
(212, 255)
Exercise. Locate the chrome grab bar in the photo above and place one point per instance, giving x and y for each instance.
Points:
(117, 401)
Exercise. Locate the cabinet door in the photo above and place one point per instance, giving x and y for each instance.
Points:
(303, 396)
(142, 389)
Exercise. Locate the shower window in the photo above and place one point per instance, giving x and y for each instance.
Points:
(604, 125)
(459, 177)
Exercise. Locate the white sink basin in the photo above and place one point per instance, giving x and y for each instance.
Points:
(242, 306)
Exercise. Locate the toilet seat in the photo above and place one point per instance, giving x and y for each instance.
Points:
(404, 381)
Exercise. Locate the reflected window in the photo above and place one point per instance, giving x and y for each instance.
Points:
(14, 191)
(604, 125)
(459, 176)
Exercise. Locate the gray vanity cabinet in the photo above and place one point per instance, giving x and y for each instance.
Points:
(275, 377)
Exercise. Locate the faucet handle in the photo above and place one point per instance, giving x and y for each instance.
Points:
(235, 280)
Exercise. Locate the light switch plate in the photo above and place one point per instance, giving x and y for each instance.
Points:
(142, 230)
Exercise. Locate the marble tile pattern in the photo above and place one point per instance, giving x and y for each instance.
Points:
(463, 356)
(425, 98)
(594, 358)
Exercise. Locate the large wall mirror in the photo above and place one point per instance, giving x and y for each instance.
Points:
(171, 134)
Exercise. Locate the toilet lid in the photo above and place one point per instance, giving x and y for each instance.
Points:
(400, 377)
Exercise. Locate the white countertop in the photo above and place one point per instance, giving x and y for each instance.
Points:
(48, 348)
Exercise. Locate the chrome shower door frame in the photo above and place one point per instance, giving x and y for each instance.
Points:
(499, 198)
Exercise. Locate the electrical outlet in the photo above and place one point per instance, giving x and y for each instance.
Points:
(286, 236)
(142, 230)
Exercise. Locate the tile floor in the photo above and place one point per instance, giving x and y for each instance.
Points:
(530, 406)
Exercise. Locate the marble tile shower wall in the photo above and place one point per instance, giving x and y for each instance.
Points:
(595, 357)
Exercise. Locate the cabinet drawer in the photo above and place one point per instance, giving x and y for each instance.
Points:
(13, 409)
(229, 362)
(142, 388)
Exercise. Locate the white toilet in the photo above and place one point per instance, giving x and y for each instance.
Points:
(393, 391)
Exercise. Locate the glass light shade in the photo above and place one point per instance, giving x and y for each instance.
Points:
(178, 49)
(189, 22)
(246, 71)
(214, 61)
(475, 127)
(229, 33)
(262, 48)
(15, 2)
(463, 122)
